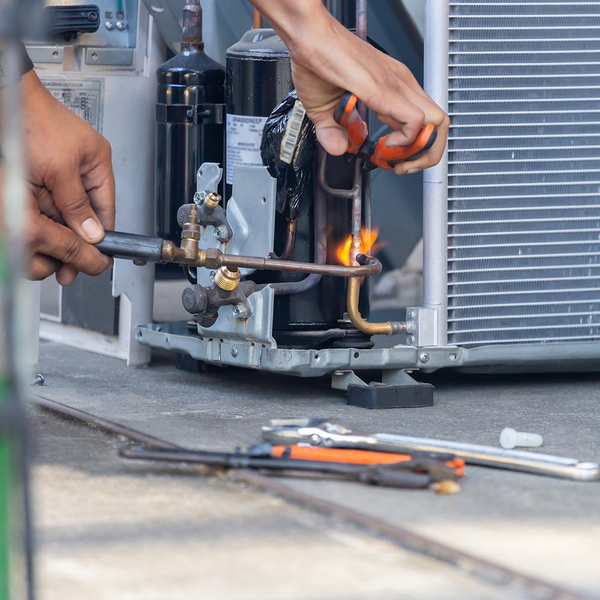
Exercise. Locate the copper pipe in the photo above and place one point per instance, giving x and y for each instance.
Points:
(142, 248)
(389, 328)
(320, 250)
(257, 20)
(254, 262)
(192, 26)
(290, 240)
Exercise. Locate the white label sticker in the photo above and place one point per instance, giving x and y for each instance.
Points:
(292, 133)
(85, 97)
(244, 135)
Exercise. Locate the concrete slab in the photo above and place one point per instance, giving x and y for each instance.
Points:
(110, 530)
(544, 527)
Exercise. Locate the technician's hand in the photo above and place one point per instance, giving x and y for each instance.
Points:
(69, 165)
(327, 60)
(53, 247)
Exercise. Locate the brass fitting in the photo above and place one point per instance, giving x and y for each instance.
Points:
(227, 279)
(212, 200)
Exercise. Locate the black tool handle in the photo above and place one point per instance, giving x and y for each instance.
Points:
(386, 477)
(131, 246)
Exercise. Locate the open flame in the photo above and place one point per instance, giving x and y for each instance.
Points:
(369, 246)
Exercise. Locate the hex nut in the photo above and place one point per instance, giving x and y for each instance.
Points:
(240, 311)
(221, 233)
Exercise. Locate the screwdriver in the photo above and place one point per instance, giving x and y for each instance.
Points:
(353, 457)
(378, 154)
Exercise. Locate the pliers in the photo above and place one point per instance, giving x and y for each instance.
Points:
(377, 153)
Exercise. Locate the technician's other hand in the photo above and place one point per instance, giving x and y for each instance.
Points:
(70, 165)
(53, 247)
(327, 60)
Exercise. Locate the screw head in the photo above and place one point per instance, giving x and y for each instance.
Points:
(109, 25)
(121, 25)
(410, 339)
(234, 352)
(424, 357)
(221, 233)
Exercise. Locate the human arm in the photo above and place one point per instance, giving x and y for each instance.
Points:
(70, 166)
(327, 60)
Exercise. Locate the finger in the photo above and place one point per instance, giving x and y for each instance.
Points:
(406, 125)
(42, 266)
(59, 242)
(100, 185)
(46, 205)
(66, 275)
(431, 157)
(72, 201)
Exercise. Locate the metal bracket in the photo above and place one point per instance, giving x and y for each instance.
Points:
(421, 327)
(198, 114)
(342, 380)
(251, 214)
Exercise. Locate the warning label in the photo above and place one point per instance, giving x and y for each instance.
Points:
(244, 135)
(85, 97)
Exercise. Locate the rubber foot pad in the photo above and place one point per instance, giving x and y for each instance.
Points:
(391, 396)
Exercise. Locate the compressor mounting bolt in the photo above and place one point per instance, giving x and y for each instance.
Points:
(221, 233)
(240, 311)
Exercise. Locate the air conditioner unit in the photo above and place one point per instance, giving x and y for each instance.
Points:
(512, 214)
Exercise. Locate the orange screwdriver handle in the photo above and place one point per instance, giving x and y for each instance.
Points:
(387, 158)
(347, 116)
(354, 457)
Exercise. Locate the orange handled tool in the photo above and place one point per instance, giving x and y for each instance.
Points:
(377, 154)
(353, 457)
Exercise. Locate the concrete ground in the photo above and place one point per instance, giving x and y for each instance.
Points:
(112, 529)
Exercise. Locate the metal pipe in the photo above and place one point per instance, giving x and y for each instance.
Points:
(435, 179)
(290, 240)
(389, 328)
(320, 252)
(140, 247)
(333, 192)
(357, 221)
(255, 262)
(192, 26)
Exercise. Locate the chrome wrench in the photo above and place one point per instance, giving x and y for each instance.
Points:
(323, 432)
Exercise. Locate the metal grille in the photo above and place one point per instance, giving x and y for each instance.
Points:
(524, 172)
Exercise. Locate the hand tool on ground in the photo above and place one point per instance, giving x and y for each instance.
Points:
(416, 474)
(354, 457)
(329, 433)
(377, 153)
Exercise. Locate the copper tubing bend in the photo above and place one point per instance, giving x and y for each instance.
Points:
(389, 328)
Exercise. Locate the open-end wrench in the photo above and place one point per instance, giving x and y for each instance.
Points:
(327, 432)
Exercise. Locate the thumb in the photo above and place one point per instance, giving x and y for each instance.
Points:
(72, 201)
(330, 134)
